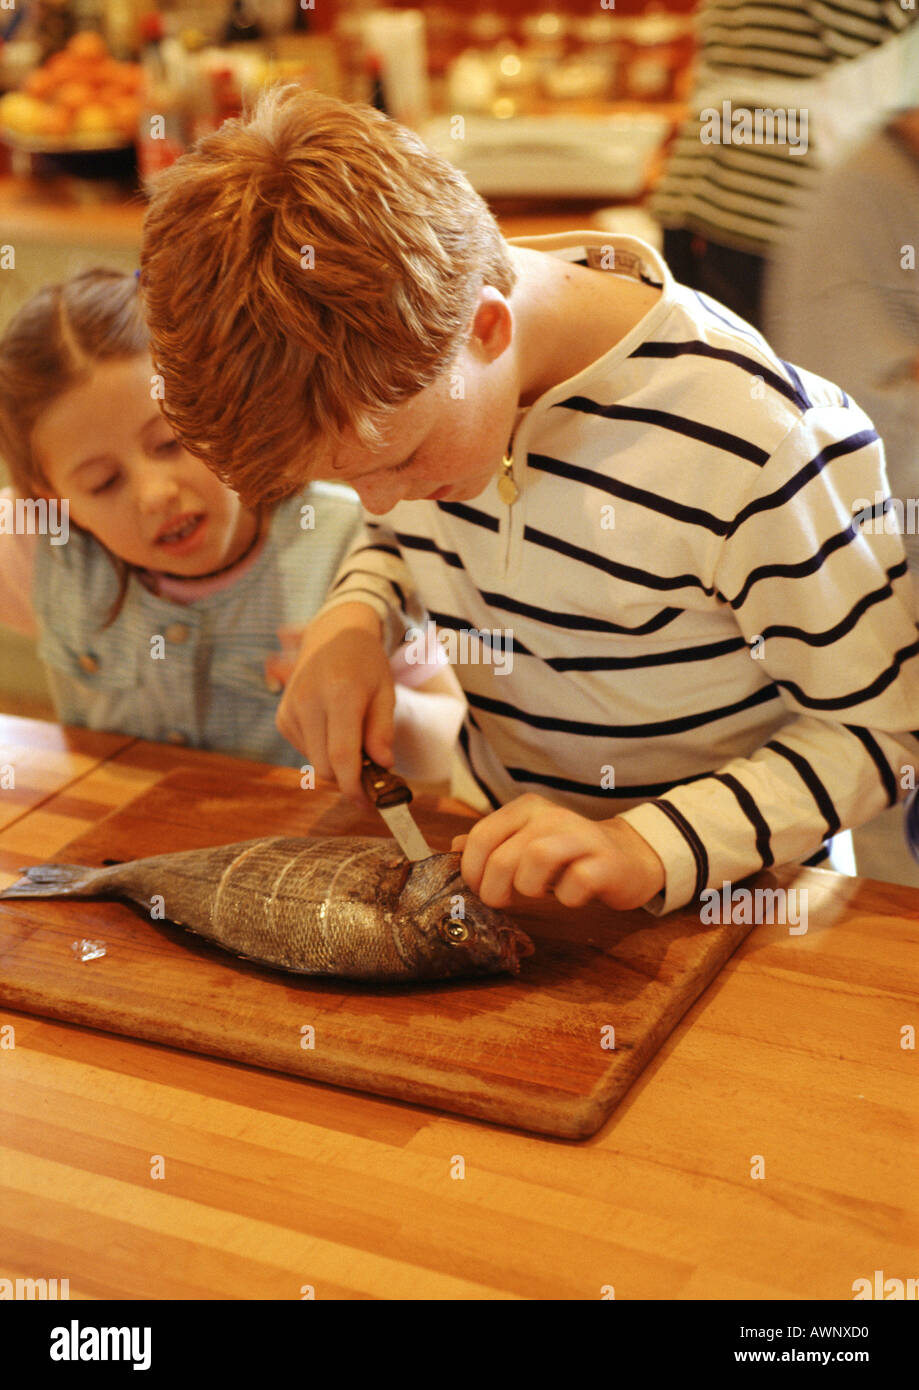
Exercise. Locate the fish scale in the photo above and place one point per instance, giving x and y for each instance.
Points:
(281, 901)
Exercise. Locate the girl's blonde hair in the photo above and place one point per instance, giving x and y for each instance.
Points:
(51, 345)
(307, 268)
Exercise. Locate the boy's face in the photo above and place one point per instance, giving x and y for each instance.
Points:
(447, 442)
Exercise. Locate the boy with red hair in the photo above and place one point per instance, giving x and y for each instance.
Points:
(714, 670)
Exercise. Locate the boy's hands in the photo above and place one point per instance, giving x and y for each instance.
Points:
(340, 696)
(532, 846)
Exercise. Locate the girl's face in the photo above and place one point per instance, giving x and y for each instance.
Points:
(106, 446)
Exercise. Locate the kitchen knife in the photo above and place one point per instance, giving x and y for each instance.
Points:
(390, 795)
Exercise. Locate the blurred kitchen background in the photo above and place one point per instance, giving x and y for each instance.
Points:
(560, 118)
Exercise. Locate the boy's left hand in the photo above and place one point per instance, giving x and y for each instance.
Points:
(536, 847)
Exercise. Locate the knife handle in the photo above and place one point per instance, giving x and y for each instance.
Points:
(382, 787)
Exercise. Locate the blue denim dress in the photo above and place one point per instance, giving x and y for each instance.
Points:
(190, 674)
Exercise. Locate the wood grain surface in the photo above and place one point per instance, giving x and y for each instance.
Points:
(138, 1171)
(535, 1052)
(38, 759)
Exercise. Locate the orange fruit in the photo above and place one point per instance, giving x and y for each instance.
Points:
(65, 67)
(87, 45)
(21, 112)
(130, 76)
(57, 62)
(54, 120)
(106, 73)
(39, 83)
(84, 69)
(125, 114)
(73, 95)
(93, 119)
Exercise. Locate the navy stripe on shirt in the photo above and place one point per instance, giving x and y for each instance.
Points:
(736, 325)
(482, 786)
(664, 419)
(587, 729)
(411, 542)
(781, 495)
(873, 749)
(810, 779)
(631, 792)
(697, 348)
(748, 806)
(679, 511)
(699, 853)
(854, 697)
(797, 570)
(628, 572)
(846, 624)
(578, 622)
(633, 663)
(471, 514)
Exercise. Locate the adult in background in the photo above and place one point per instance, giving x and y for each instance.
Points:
(842, 299)
(725, 203)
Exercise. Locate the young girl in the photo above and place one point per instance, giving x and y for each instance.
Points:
(164, 608)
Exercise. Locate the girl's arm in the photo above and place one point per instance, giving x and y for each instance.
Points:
(17, 567)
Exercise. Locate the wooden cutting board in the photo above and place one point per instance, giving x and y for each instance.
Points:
(532, 1052)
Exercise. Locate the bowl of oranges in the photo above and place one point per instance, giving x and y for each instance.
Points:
(80, 99)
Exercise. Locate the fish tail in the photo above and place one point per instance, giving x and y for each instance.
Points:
(54, 881)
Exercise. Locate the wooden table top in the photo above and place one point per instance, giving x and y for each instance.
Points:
(766, 1153)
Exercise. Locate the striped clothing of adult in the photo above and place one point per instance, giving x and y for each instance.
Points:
(758, 53)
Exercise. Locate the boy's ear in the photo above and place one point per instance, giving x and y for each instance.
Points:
(492, 323)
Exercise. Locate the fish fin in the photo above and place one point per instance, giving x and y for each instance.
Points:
(52, 881)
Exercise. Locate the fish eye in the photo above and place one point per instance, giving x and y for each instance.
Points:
(455, 929)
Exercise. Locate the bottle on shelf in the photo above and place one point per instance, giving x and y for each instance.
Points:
(376, 92)
(161, 136)
(242, 25)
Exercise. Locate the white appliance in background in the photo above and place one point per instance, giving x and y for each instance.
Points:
(563, 156)
(397, 38)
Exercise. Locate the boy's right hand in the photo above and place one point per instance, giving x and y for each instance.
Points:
(340, 696)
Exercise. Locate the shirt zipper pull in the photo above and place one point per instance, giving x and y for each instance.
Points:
(508, 490)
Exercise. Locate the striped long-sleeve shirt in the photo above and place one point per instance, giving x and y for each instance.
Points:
(769, 53)
(703, 638)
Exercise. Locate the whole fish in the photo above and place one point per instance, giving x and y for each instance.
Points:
(346, 905)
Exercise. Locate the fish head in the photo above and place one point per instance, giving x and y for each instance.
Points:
(442, 928)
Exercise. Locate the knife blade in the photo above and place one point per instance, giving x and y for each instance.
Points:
(390, 795)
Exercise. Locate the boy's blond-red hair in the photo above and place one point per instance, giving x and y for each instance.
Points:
(305, 269)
